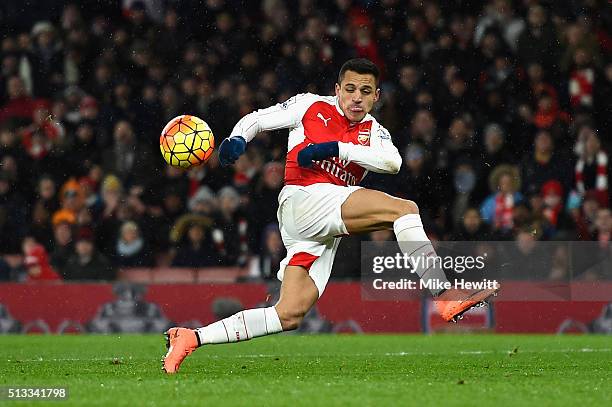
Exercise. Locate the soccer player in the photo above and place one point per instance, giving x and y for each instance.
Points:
(333, 142)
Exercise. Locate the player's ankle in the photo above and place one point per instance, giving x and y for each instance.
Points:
(198, 339)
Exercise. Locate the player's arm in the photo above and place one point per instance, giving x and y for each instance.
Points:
(380, 156)
(280, 116)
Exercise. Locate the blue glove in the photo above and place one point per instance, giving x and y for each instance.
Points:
(230, 149)
(316, 152)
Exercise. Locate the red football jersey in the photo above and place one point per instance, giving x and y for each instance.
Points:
(318, 119)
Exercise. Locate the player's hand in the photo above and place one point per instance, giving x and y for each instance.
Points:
(230, 149)
(316, 152)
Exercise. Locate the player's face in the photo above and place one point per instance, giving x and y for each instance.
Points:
(357, 94)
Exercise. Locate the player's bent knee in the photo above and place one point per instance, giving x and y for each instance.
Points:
(407, 207)
(411, 207)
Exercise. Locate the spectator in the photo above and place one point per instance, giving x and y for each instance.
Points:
(37, 264)
(459, 143)
(495, 153)
(20, 105)
(100, 83)
(265, 191)
(553, 213)
(538, 42)
(196, 249)
(598, 262)
(13, 216)
(46, 193)
(273, 252)
(423, 129)
(538, 84)
(578, 36)
(71, 202)
(132, 250)
(471, 228)
(584, 217)
(560, 265)
(63, 246)
(592, 168)
(40, 226)
(43, 136)
(92, 202)
(85, 151)
(455, 104)
(172, 33)
(173, 203)
(496, 210)
(410, 82)
(601, 94)
(202, 207)
(170, 176)
(603, 226)
(582, 79)
(46, 60)
(203, 202)
(111, 192)
(128, 159)
(524, 215)
(87, 263)
(499, 14)
(10, 146)
(417, 171)
(544, 164)
(526, 259)
(231, 229)
(548, 114)
(464, 181)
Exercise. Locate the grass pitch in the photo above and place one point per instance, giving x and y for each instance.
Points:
(287, 370)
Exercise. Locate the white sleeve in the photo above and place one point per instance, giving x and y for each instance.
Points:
(380, 156)
(280, 116)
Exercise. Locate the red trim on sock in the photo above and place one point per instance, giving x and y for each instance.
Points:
(265, 320)
(303, 259)
(245, 327)
(226, 333)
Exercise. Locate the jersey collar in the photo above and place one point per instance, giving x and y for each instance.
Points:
(337, 104)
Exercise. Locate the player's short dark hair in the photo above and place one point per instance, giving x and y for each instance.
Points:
(361, 66)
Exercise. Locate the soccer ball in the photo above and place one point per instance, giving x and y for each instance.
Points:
(186, 141)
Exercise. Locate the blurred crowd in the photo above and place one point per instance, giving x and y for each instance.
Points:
(500, 109)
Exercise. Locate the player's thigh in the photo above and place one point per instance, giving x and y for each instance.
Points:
(366, 210)
(297, 295)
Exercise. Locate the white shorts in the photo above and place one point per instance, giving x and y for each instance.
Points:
(311, 226)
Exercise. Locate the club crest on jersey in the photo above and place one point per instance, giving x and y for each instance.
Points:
(363, 137)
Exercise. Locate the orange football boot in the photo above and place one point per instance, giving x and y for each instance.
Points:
(180, 342)
(453, 303)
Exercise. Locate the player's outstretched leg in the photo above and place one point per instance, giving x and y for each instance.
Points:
(366, 210)
(298, 295)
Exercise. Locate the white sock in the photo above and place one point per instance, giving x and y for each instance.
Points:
(241, 326)
(414, 242)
